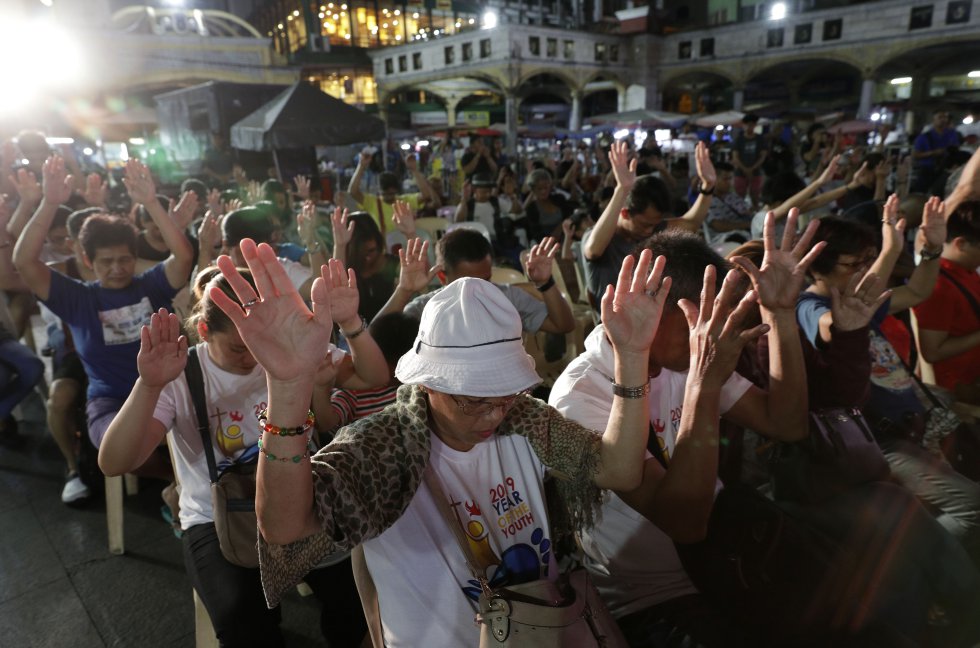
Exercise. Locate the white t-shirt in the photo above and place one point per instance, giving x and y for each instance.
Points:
(298, 273)
(634, 563)
(232, 400)
(426, 593)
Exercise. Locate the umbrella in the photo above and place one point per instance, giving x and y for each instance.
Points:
(727, 118)
(853, 127)
(303, 116)
(641, 116)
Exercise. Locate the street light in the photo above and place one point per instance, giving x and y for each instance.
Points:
(51, 68)
(777, 11)
(901, 80)
(489, 19)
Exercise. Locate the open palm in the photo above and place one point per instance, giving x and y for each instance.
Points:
(284, 336)
(163, 350)
(631, 313)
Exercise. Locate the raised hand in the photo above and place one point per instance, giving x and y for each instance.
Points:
(783, 273)
(302, 184)
(893, 227)
(706, 170)
(215, 206)
(139, 183)
(539, 260)
(411, 163)
(830, 171)
(163, 350)
(58, 184)
(862, 298)
(717, 332)
(233, 205)
(414, 271)
(239, 176)
(182, 213)
(326, 373)
(341, 294)
(306, 223)
(364, 159)
(209, 234)
(568, 229)
(27, 187)
(276, 325)
(343, 227)
(404, 217)
(253, 192)
(95, 190)
(623, 168)
(631, 312)
(933, 227)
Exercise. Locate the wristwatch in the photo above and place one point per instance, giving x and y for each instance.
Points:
(926, 255)
(706, 192)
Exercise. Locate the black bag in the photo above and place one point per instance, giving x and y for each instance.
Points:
(839, 453)
(233, 491)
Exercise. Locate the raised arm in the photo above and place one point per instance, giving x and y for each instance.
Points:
(58, 188)
(630, 314)
(932, 234)
(968, 186)
(306, 226)
(30, 192)
(679, 500)
(9, 277)
(539, 266)
(797, 200)
(142, 190)
(343, 231)
(134, 433)
(412, 164)
(695, 216)
(782, 413)
(354, 188)
(280, 331)
(602, 233)
(414, 275)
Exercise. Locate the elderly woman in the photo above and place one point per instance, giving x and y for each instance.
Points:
(464, 412)
(544, 209)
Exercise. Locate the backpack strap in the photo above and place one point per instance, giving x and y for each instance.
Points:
(195, 384)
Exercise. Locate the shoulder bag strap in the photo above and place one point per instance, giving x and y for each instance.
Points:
(381, 216)
(195, 383)
(966, 293)
(918, 381)
(653, 445)
(442, 503)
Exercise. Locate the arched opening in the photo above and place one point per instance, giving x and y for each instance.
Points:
(699, 91)
(601, 95)
(545, 101)
(821, 84)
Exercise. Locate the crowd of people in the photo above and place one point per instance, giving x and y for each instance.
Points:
(722, 298)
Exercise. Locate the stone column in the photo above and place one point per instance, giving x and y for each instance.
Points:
(738, 99)
(451, 103)
(867, 95)
(510, 111)
(575, 119)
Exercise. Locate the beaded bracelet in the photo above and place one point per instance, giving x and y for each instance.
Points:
(265, 426)
(294, 459)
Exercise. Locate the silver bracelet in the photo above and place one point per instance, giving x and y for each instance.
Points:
(630, 392)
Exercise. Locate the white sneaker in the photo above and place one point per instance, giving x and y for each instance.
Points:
(74, 490)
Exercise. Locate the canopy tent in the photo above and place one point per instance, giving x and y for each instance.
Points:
(640, 116)
(853, 127)
(303, 116)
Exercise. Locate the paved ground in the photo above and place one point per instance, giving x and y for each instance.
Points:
(60, 586)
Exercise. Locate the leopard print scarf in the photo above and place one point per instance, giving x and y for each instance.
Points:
(367, 476)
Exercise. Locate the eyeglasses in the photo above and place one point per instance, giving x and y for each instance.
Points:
(485, 406)
(863, 263)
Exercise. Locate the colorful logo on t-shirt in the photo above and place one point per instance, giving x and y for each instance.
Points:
(518, 563)
(887, 370)
(229, 434)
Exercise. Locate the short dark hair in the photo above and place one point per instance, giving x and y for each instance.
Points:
(365, 230)
(195, 185)
(247, 222)
(779, 188)
(394, 333)
(60, 218)
(143, 216)
(724, 166)
(750, 118)
(843, 236)
(648, 191)
(78, 218)
(965, 222)
(687, 256)
(463, 245)
(388, 180)
(272, 187)
(103, 230)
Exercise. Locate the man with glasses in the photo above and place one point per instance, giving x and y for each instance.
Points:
(105, 316)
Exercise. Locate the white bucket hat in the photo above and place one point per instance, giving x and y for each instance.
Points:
(469, 343)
